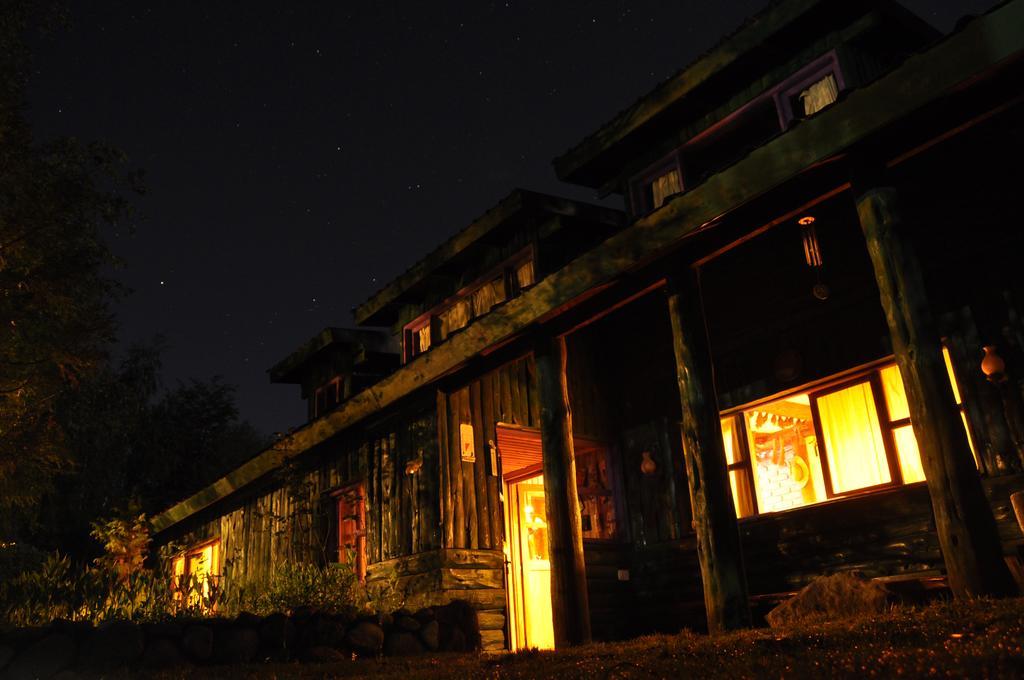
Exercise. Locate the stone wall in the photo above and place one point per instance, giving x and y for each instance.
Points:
(304, 635)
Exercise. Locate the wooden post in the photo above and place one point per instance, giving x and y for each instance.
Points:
(570, 606)
(963, 518)
(714, 515)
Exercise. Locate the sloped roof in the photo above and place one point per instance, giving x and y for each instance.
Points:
(593, 160)
(364, 339)
(518, 205)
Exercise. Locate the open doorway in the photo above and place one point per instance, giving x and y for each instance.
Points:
(528, 565)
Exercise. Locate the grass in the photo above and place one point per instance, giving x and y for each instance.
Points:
(977, 639)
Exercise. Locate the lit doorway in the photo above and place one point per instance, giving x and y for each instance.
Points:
(530, 577)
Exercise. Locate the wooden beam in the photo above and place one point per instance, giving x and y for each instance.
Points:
(570, 606)
(963, 518)
(714, 516)
(922, 80)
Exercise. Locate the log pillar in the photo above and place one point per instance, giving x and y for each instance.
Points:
(570, 606)
(963, 518)
(714, 515)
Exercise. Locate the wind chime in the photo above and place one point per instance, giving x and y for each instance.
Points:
(812, 254)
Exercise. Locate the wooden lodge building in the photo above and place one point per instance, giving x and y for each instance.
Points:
(591, 423)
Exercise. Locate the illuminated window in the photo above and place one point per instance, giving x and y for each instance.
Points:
(327, 397)
(833, 441)
(472, 302)
(818, 95)
(196, 573)
(655, 187)
(351, 506)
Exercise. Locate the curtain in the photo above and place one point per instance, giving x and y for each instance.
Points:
(454, 318)
(423, 338)
(668, 184)
(488, 295)
(524, 274)
(853, 439)
(819, 95)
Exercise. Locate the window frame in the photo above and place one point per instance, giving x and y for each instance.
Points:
(870, 374)
(188, 555)
(334, 383)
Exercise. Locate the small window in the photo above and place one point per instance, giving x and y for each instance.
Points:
(525, 275)
(326, 397)
(417, 337)
(351, 508)
(817, 96)
(664, 186)
(488, 295)
(454, 318)
(196, 575)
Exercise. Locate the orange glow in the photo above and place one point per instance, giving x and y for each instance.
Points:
(853, 439)
(197, 571)
(533, 565)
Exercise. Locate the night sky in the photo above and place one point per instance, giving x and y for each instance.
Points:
(300, 155)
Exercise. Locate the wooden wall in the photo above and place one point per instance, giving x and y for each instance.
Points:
(292, 519)
(470, 499)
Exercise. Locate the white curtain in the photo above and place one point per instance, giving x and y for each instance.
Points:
(819, 95)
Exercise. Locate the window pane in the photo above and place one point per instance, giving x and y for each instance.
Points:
(853, 439)
(664, 186)
(594, 488)
(423, 338)
(970, 439)
(524, 274)
(730, 436)
(741, 493)
(820, 94)
(909, 454)
(895, 395)
(784, 454)
(952, 376)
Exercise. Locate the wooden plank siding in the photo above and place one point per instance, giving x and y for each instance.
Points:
(291, 522)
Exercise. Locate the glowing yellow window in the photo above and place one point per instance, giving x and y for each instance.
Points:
(853, 439)
(739, 476)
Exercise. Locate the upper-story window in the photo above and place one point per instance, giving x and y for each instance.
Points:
(472, 302)
(805, 93)
(327, 396)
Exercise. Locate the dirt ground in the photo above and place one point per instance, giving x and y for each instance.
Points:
(978, 639)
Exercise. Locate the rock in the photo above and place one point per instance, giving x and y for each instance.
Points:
(162, 653)
(277, 634)
(329, 632)
(248, 620)
(407, 623)
(302, 614)
(114, 644)
(425, 615)
(461, 615)
(366, 638)
(197, 642)
(168, 630)
(6, 654)
(320, 654)
(429, 635)
(44, 659)
(402, 644)
(827, 598)
(451, 638)
(237, 644)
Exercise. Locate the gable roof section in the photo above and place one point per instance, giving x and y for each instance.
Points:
(759, 40)
(517, 207)
(364, 341)
(922, 81)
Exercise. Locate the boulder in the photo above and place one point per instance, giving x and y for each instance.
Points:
(6, 654)
(827, 598)
(460, 614)
(277, 635)
(237, 644)
(320, 654)
(248, 620)
(425, 615)
(429, 635)
(451, 638)
(407, 623)
(197, 642)
(162, 653)
(114, 644)
(401, 643)
(328, 632)
(44, 659)
(169, 630)
(366, 638)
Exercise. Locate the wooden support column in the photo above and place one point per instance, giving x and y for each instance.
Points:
(570, 606)
(714, 515)
(963, 518)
